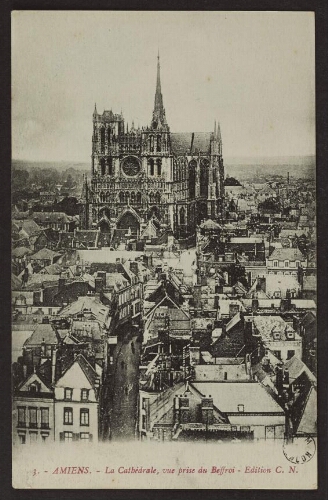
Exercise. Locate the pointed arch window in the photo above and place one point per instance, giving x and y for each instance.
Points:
(122, 197)
(151, 166)
(159, 167)
(133, 197)
(159, 143)
(182, 216)
(151, 143)
(157, 198)
(138, 197)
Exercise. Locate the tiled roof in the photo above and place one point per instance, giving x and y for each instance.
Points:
(43, 332)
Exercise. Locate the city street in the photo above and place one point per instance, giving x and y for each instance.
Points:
(124, 392)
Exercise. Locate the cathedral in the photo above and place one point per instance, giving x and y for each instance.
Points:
(138, 175)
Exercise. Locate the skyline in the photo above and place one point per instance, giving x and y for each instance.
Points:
(259, 84)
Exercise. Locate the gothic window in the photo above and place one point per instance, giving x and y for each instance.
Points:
(110, 166)
(151, 197)
(127, 196)
(151, 143)
(102, 138)
(138, 197)
(192, 179)
(102, 166)
(107, 197)
(151, 166)
(204, 177)
(121, 197)
(157, 198)
(159, 143)
(159, 167)
(182, 216)
(133, 197)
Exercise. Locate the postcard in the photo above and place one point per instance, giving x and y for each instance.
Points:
(164, 276)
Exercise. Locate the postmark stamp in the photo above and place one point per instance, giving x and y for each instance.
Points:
(299, 450)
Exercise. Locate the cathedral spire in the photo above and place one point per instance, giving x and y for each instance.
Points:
(159, 111)
(95, 110)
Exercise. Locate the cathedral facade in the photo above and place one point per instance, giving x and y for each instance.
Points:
(150, 173)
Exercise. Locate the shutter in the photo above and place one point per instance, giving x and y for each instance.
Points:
(61, 436)
(90, 438)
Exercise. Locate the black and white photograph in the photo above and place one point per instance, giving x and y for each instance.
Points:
(164, 250)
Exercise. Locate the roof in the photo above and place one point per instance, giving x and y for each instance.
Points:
(30, 227)
(16, 283)
(105, 255)
(181, 142)
(210, 224)
(244, 240)
(85, 366)
(83, 304)
(44, 332)
(51, 217)
(296, 367)
(310, 283)
(228, 395)
(266, 325)
(45, 254)
(19, 252)
(286, 254)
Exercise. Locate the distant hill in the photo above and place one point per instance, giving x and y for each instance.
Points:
(238, 167)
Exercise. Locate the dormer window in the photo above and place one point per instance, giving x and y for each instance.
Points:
(275, 263)
(68, 394)
(34, 387)
(286, 263)
(241, 408)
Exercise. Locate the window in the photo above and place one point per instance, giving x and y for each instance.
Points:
(225, 376)
(44, 437)
(84, 436)
(68, 394)
(21, 416)
(84, 416)
(84, 394)
(241, 408)
(275, 263)
(245, 428)
(22, 438)
(68, 416)
(44, 418)
(144, 420)
(68, 437)
(298, 263)
(33, 418)
(286, 263)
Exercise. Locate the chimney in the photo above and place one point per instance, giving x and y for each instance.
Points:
(98, 285)
(279, 380)
(255, 305)
(53, 365)
(207, 410)
(233, 310)
(102, 275)
(134, 268)
(184, 409)
(285, 380)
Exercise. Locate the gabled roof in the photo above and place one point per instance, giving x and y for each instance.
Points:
(83, 304)
(86, 368)
(296, 367)
(45, 254)
(43, 332)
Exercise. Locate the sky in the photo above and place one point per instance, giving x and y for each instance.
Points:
(254, 72)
